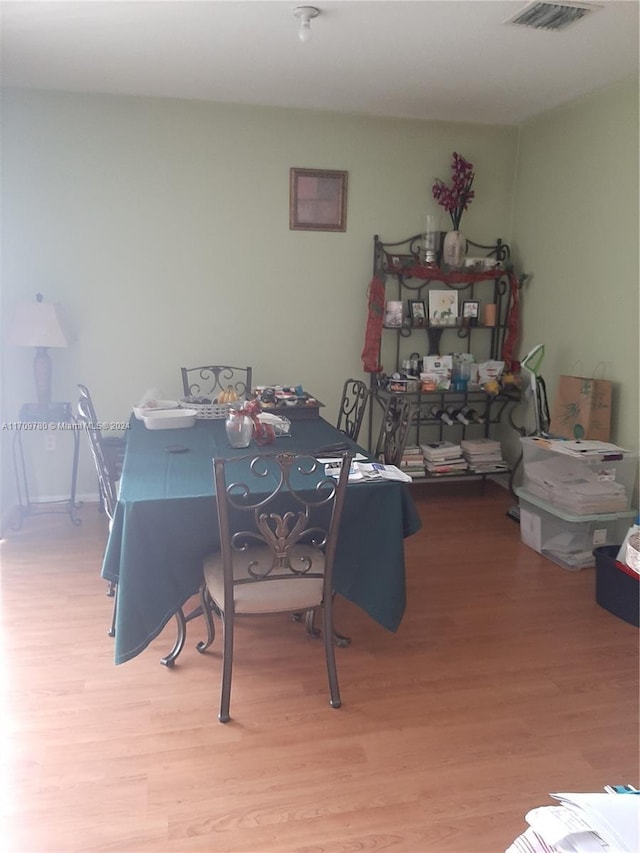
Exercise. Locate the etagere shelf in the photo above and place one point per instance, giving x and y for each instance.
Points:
(399, 265)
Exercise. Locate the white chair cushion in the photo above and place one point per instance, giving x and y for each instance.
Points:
(267, 596)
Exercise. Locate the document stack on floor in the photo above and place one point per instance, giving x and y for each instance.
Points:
(576, 489)
(584, 823)
(443, 458)
(412, 462)
(483, 455)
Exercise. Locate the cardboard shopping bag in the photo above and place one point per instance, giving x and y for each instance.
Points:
(582, 409)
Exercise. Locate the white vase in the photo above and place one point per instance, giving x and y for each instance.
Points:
(454, 249)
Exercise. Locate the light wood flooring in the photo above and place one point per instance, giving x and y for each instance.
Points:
(505, 682)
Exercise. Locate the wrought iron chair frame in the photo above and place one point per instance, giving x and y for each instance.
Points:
(278, 527)
(353, 405)
(397, 418)
(109, 496)
(223, 376)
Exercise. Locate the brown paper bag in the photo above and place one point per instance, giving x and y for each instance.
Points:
(582, 409)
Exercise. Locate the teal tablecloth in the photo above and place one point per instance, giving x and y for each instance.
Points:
(166, 522)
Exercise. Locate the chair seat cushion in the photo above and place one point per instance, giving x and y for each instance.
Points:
(267, 596)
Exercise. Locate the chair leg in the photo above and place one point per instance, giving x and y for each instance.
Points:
(309, 623)
(113, 591)
(330, 653)
(227, 665)
(170, 659)
(206, 606)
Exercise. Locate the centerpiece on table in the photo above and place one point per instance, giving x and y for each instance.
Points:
(455, 199)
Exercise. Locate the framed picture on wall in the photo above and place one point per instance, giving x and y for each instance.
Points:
(317, 200)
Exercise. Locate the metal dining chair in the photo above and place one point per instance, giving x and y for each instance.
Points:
(210, 381)
(113, 447)
(277, 549)
(108, 488)
(353, 405)
(396, 422)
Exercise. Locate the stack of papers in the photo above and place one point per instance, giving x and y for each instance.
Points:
(443, 458)
(361, 471)
(577, 489)
(583, 823)
(483, 455)
(412, 462)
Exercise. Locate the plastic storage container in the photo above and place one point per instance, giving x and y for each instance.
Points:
(568, 540)
(578, 485)
(617, 588)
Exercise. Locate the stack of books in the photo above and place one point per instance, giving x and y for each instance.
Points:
(483, 455)
(412, 462)
(443, 459)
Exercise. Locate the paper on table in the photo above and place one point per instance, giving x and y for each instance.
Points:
(378, 471)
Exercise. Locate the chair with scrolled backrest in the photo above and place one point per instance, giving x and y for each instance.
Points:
(278, 526)
(112, 448)
(209, 381)
(353, 404)
(107, 483)
(108, 486)
(397, 419)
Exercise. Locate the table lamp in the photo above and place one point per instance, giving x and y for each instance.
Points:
(39, 324)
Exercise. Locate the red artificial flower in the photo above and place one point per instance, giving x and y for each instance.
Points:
(456, 198)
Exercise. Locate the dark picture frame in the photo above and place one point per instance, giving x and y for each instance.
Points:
(317, 200)
(418, 312)
(470, 312)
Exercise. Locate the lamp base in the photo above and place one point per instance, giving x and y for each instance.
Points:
(42, 375)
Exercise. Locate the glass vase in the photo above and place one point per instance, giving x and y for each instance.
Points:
(239, 428)
(454, 249)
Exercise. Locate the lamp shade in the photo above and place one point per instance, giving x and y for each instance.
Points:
(38, 324)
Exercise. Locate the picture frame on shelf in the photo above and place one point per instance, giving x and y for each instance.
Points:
(317, 200)
(443, 307)
(470, 312)
(393, 315)
(418, 312)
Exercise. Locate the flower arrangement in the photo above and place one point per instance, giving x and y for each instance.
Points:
(456, 198)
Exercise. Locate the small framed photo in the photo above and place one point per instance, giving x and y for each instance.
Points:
(443, 307)
(393, 315)
(317, 200)
(417, 312)
(470, 312)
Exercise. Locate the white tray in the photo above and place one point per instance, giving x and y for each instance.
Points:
(170, 418)
(161, 405)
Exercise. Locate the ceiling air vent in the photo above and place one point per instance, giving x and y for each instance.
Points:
(551, 16)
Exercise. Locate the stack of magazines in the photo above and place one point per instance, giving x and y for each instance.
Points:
(483, 455)
(443, 458)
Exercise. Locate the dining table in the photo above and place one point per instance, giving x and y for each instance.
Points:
(165, 523)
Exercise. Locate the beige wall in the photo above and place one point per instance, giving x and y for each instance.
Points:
(575, 229)
(162, 226)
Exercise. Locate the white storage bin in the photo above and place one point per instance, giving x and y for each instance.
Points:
(568, 540)
(578, 485)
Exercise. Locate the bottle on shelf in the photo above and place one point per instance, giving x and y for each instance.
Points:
(457, 414)
(471, 415)
(441, 415)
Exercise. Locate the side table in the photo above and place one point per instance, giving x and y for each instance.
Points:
(54, 417)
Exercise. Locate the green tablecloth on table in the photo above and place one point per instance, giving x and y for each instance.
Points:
(166, 522)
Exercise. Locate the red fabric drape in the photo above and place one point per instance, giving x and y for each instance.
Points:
(371, 351)
(513, 324)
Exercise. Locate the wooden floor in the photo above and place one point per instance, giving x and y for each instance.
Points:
(505, 682)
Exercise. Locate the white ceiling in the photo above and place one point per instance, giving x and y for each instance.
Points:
(450, 60)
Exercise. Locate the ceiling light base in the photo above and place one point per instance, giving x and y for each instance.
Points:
(305, 14)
